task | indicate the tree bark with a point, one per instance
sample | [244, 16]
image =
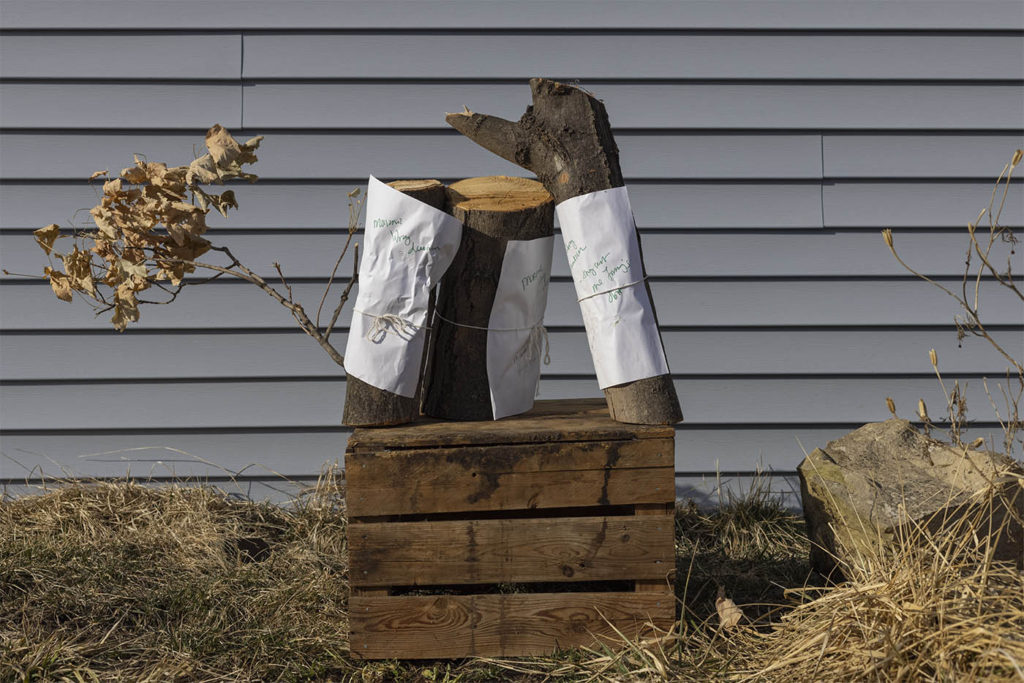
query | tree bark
[493, 210]
[566, 140]
[365, 404]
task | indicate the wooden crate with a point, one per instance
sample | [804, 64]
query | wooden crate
[517, 537]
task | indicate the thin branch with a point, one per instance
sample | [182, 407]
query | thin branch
[294, 308]
[330, 280]
[344, 295]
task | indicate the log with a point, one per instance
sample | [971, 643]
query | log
[365, 404]
[493, 210]
[565, 138]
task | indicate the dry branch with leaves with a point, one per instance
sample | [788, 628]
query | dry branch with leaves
[149, 234]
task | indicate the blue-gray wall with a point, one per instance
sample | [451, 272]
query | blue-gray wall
[765, 142]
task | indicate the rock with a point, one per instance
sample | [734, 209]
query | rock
[861, 488]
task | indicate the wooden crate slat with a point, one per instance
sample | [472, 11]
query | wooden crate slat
[667, 513]
[510, 550]
[418, 627]
[583, 419]
[523, 476]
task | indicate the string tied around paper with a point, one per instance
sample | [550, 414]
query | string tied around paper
[530, 348]
[383, 323]
[612, 289]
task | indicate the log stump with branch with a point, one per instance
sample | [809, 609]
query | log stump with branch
[566, 140]
[365, 404]
[493, 210]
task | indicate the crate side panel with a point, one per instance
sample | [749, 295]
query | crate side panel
[419, 627]
[512, 477]
[510, 550]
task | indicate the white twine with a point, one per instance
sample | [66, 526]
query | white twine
[385, 322]
[531, 347]
[613, 289]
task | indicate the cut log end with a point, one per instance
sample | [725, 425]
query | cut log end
[498, 194]
[650, 401]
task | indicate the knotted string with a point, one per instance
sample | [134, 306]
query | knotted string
[530, 349]
[613, 289]
[385, 322]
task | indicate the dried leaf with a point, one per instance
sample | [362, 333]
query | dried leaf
[97, 174]
[112, 187]
[78, 265]
[45, 237]
[224, 149]
[104, 219]
[126, 309]
[59, 282]
[728, 613]
[202, 170]
[137, 270]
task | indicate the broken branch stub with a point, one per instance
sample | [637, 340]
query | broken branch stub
[565, 139]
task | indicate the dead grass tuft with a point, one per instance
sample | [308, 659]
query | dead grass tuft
[117, 581]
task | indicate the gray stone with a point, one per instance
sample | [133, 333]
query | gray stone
[862, 488]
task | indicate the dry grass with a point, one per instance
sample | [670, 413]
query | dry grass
[116, 581]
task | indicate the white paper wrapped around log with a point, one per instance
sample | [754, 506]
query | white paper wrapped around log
[604, 257]
[516, 339]
[407, 247]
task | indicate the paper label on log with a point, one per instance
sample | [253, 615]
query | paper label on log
[516, 340]
[407, 247]
[604, 258]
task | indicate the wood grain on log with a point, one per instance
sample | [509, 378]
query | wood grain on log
[565, 138]
[365, 404]
[493, 210]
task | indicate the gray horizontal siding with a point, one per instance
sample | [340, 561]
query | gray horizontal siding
[317, 403]
[517, 56]
[765, 145]
[418, 105]
[645, 156]
[115, 55]
[119, 106]
[634, 56]
[763, 205]
[346, 154]
[717, 302]
[706, 255]
[524, 14]
[639, 105]
[229, 354]
[774, 204]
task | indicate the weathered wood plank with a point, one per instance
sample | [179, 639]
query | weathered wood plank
[487, 551]
[509, 477]
[580, 419]
[417, 627]
[666, 512]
